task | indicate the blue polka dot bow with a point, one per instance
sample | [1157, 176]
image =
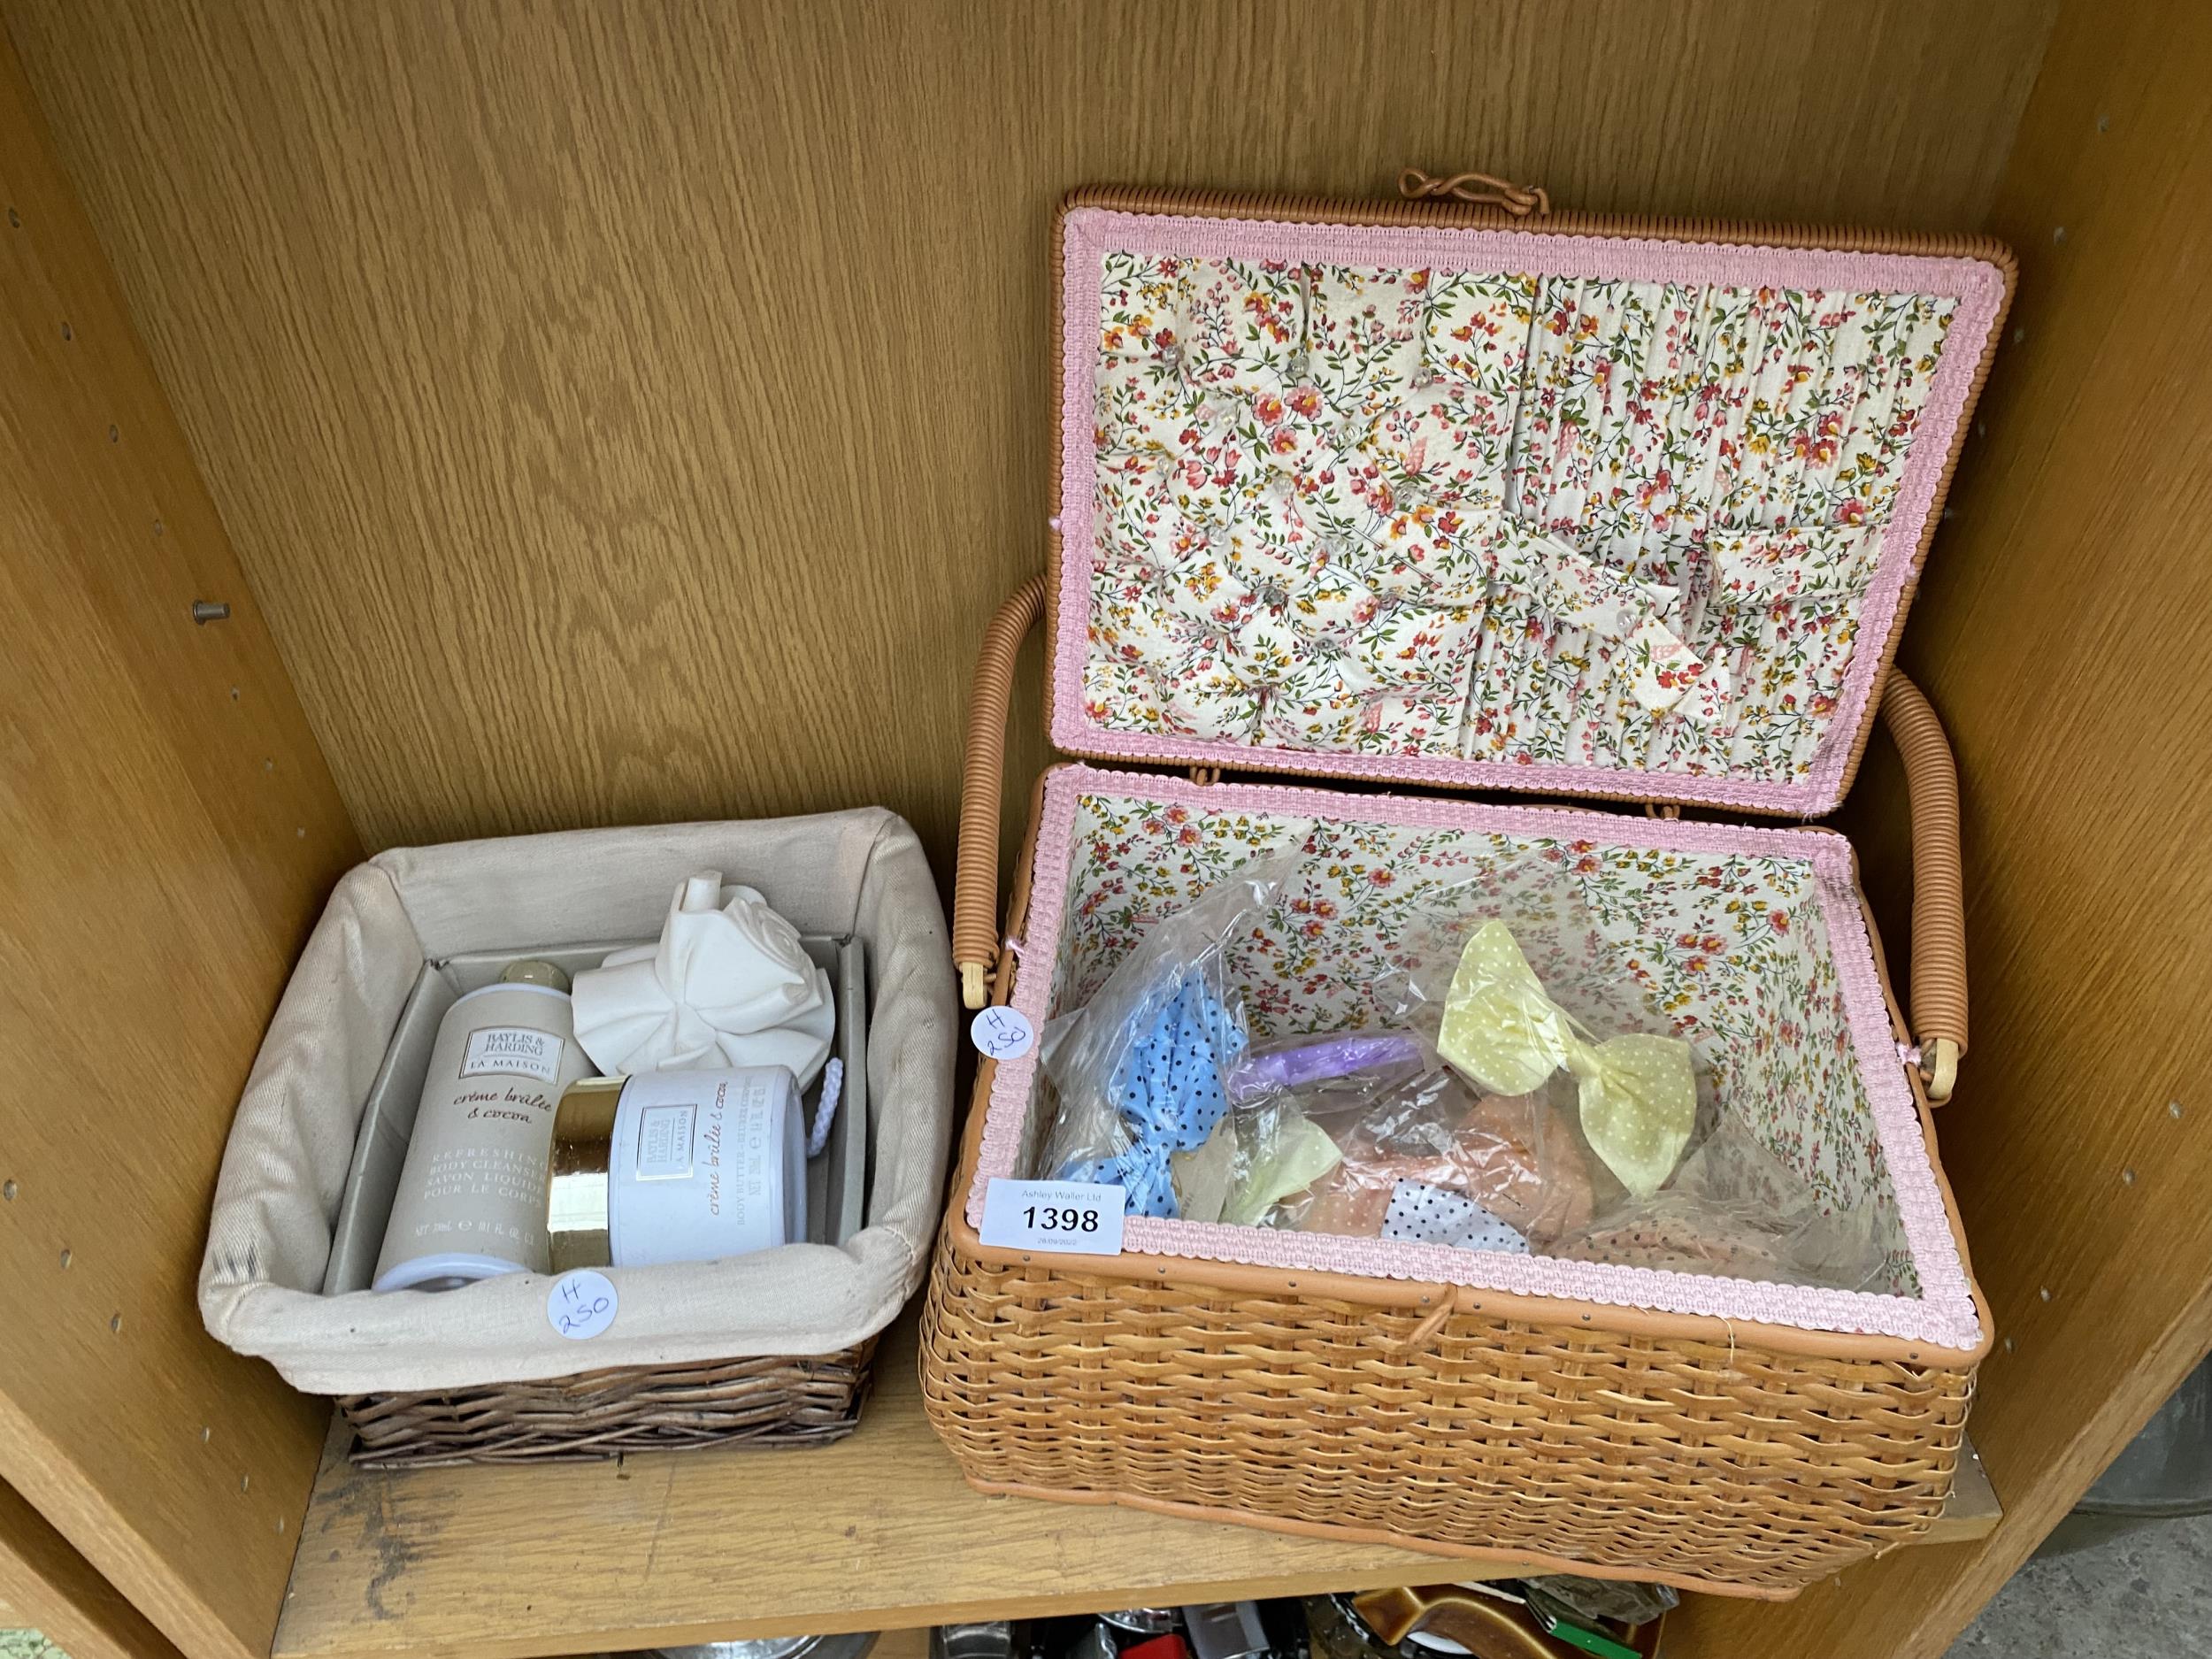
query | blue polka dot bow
[1167, 1090]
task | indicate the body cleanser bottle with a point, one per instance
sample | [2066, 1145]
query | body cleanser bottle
[470, 1202]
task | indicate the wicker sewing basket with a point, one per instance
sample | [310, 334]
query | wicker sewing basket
[1695, 1432]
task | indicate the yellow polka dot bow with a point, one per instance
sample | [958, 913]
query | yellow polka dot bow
[1639, 1094]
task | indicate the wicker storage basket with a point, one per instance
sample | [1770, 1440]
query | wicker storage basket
[1707, 1431]
[769, 1348]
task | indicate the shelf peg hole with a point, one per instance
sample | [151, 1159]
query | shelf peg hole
[15, 219]
[115, 1323]
[8, 1190]
[2127, 1178]
[115, 433]
[67, 332]
[206, 1433]
[67, 1256]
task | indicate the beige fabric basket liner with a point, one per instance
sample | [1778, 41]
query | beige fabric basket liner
[861, 873]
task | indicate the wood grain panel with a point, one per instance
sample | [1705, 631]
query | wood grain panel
[47, 1587]
[877, 1531]
[2063, 631]
[633, 410]
[169, 831]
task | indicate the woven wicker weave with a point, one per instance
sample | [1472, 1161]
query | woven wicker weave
[1687, 1461]
[1601, 1440]
[771, 1401]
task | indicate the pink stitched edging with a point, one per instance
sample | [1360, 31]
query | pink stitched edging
[1943, 1315]
[1978, 285]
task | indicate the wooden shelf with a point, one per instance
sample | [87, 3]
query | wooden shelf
[876, 1533]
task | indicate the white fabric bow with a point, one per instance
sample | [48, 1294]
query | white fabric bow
[728, 984]
[1662, 669]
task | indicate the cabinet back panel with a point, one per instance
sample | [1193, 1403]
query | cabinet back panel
[634, 411]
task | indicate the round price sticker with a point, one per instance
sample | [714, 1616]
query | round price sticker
[1003, 1033]
[580, 1304]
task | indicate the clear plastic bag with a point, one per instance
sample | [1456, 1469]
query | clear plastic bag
[1263, 1153]
[1674, 1179]
[1735, 1210]
[1401, 1129]
[1507, 976]
[1413, 1146]
[1140, 1070]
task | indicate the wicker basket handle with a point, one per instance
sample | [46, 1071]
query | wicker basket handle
[975, 944]
[1939, 893]
[1520, 199]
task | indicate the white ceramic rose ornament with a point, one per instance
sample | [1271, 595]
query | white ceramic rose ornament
[728, 984]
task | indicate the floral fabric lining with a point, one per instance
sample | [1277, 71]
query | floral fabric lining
[1748, 941]
[1731, 950]
[1499, 517]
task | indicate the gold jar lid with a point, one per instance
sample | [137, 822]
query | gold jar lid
[576, 1182]
[540, 973]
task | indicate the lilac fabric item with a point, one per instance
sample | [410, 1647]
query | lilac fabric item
[1273, 1069]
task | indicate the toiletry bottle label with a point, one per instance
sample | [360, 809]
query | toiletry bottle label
[664, 1142]
[512, 1051]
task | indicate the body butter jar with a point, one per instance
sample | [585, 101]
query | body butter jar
[676, 1166]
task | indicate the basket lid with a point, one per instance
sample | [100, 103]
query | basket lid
[1420, 493]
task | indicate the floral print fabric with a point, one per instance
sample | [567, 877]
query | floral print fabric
[1729, 952]
[1500, 516]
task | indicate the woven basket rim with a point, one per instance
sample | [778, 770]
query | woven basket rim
[1207, 1274]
